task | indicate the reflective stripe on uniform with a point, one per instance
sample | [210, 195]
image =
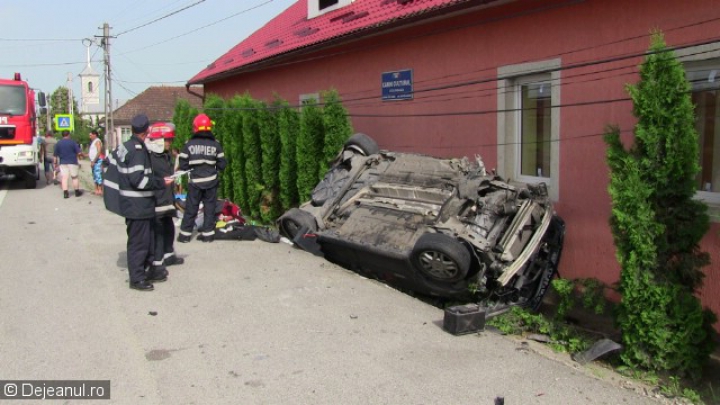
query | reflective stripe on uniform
[128, 170]
[164, 208]
[111, 184]
[203, 179]
[201, 161]
[129, 193]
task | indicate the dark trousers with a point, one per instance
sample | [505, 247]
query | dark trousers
[140, 247]
[196, 195]
[164, 237]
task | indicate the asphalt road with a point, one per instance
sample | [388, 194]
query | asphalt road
[243, 323]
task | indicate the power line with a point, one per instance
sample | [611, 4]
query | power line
[199, 28]
[161, 18]
[41, 39]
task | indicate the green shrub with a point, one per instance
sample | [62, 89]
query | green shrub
[253, 154]
[309, 148]
[237, 162]
[657, 225]
[288, 123]
[337, 129]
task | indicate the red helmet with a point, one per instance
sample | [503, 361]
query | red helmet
[202, 123]
[165, 130]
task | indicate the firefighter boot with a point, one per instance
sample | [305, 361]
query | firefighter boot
[156, 274]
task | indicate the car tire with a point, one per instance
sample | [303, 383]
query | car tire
[362, 143]
[30, 181]
[440, 257]
[291, 222]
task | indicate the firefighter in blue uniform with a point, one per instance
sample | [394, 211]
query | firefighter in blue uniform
[205, 157]
[133, 197]
[158, 141]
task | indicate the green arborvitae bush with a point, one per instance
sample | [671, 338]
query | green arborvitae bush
[183, 122]
[657, 225]
[237, 163]
[309, 148]
[337, 129]
[226, 133]
[270, 144]
[253, 155]
[288, 128]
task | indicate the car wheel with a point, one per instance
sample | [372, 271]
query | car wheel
[291, 222]
[30, 181]
[363, 144]
[441, 257]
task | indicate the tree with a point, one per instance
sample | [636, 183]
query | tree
[253, 154]
[59, 104]
[309, 149]
[657, 224]
[337, 129]
[288, 124]
[270, 145]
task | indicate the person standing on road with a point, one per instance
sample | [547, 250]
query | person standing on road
[48, 155]
[158, 141]
[96, 156]
[135, 196]
[205, 157]
[67, 152]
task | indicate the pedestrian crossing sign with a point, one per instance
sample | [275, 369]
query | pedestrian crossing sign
[64, 122]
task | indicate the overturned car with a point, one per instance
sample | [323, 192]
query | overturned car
[442, 228]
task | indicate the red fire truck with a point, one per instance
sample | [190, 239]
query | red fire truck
[18, 144]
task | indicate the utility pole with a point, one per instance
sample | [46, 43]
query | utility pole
[70, 100]
[109, 125]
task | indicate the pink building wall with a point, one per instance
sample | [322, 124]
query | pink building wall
[471, 48]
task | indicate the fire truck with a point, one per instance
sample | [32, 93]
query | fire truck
[18, 143]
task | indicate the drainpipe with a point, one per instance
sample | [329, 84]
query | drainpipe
[200, 96]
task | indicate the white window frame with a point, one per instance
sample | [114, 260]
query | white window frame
[703, 53]
[509, 116]
[314, 7]
[308, 96]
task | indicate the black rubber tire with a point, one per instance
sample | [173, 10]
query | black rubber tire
[291, 222]
[30, 181]
[362, 143]
[441, 258]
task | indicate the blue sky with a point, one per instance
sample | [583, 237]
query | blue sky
[43, 40]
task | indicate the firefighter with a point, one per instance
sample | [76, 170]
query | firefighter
[205, 157]
[136, 202]
[158, 141]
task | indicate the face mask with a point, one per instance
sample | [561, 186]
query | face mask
[155, 145]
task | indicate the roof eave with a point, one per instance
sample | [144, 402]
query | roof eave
[362, 33]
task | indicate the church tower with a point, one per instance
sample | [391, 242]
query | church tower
[89, 88]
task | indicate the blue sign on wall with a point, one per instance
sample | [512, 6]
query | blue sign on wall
[397, 85]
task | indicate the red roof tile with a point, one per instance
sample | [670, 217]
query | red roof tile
[292, 30]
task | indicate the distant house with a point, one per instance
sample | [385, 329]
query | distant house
[158, 103]
[529, 85]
